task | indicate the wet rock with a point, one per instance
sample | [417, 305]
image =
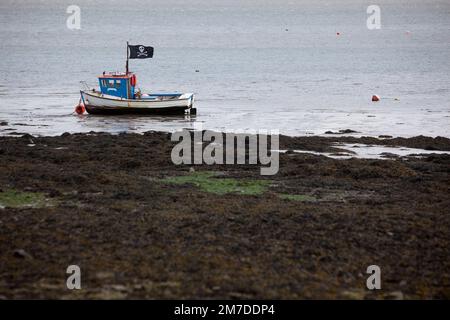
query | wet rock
[353, 294]
[383, 136]
[54, 193]
[3, 123]
[394, 295]
[344, 131]
[109, 295]
[119, 287]
[340, 154]
[20, 253]
[238, 295]
[347, 131]
[389, 155]
[104, 275]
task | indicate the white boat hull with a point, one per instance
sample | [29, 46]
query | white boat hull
[98, 103]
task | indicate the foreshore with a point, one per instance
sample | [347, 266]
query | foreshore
[141, 227]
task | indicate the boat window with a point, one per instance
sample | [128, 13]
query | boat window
[111, 83]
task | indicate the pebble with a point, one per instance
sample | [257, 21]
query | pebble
[20, 253]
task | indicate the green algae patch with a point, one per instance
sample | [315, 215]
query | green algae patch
[298, 197]
[210, 182]
[17, 199]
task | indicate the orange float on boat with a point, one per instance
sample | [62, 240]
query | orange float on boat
[80, 109]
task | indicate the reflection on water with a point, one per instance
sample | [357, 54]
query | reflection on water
[133, 123]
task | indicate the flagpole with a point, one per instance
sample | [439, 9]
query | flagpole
[126, 65]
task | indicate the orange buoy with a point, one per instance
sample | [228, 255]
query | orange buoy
[80, 109]
[375, 98]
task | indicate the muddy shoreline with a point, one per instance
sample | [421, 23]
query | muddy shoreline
[116, 206]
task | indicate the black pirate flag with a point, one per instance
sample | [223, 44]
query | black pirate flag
[140, 52]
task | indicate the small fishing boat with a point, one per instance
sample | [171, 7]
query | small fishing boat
[118, 93]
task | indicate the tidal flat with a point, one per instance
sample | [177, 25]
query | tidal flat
[141, 227]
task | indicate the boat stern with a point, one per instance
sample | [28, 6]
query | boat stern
[189, 97]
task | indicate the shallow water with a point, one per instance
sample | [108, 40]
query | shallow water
[262, 65]
[366, 151]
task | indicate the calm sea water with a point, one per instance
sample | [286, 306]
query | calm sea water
[262, 64]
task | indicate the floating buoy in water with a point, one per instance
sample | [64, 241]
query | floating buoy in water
[80, 109]
[375, 98]
[338, 33]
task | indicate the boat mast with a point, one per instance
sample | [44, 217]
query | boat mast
[126, 70]
[126, 65]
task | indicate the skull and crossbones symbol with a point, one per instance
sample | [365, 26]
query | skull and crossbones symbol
[142, 51]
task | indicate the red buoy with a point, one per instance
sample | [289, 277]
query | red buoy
[80, 109]
[375, 98]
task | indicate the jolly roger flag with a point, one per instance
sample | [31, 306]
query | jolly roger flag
[140, 52]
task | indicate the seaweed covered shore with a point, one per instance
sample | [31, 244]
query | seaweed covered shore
[141, 227]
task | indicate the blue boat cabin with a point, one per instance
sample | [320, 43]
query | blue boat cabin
[118, 84]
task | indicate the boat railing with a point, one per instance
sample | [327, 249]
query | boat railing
[85, 85]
